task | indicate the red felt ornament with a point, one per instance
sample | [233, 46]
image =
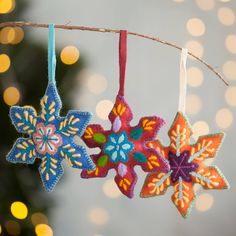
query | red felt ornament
[124, 146]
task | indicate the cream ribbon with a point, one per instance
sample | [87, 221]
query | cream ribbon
[183, 80]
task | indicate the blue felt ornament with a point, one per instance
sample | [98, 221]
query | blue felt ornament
[50, 136]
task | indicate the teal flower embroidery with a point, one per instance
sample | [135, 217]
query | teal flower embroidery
[118, 147]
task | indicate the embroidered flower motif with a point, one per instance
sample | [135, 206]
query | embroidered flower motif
[118, 147]
[181, 167]
[50, 137]
[187, 166]
[123, 147]
[46, 140]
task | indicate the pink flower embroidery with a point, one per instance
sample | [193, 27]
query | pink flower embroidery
[46, 140]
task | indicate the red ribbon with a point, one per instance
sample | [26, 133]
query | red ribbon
[122, 59]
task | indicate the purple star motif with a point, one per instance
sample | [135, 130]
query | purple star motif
[180, 166]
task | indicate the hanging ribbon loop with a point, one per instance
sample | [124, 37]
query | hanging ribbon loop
[51, 53]
[122, 59]
[183, 80]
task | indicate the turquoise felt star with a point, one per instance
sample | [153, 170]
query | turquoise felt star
[50, 136]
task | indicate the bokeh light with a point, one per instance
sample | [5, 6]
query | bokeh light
[19, 210]
[204, 202]
[6, 6]
[196, 187]
[19, 35]
[195, 76]
[69, 55]
[196, 27]
[103, 109]
[39, 218]
[0, 229]
[226, 16]
[178, 1]
[7, 35]
[5, 63]
[230, 96]
[224, 118]
[200, 128]
[11, 35]
[230, 43]
[229, 70]
[225, 0]
[13, 227]
[97, 83]
[110, 189]
[193, 104]
[206, 5]
[43, 230]
[98, 216]
[195, 47]
[11, 96]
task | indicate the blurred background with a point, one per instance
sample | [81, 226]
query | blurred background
[87, 78]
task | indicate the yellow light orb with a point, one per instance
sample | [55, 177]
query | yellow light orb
[0, 229]
[230, 43]
[43, 230]
[19, 35]
[195, 76]
[11, 96]
[98, 216]
[193, 104]
[103, 109]
[196, 27]
[224, 118]
[230, 96]
[200, 128]
[69, 55]
[5, 63]
[39, 218]
[19, 210]
[204, 202]
[205, 5]
[195, 47]
[226, 16]
[229, 70]
[110, 189]
[7, 6]
[13, 228]
[7, 35]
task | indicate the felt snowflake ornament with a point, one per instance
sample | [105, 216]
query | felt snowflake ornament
[186, 160]
[50, 136]
[123, 147]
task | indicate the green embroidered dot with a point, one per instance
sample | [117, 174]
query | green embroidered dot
[140, 157]
[102, 161]
[99, 138]
[137, 133]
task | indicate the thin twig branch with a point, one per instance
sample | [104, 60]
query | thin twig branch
[106, 30]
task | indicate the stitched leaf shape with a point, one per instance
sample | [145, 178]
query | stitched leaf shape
[140, 157]
[99, 138]
[137, 133]
[102, 161]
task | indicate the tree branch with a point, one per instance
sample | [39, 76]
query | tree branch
[106, 30]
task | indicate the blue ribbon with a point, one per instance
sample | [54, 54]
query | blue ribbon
[51, 54]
